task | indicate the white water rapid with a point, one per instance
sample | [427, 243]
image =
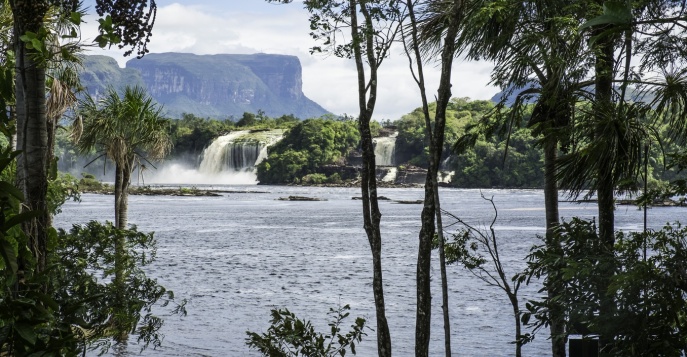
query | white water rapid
[390, 175]
[385, 148]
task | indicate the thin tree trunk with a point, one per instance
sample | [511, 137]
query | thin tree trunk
[604, 107]
[423, 312]
[424, 255]
[119, 179]
[371, 214]
[122, 179]
[51, 131]
[518, 326]
[432, 206]
[31, 130]
[121, 333]
[124, 199]
[442, 267]
[553, 283]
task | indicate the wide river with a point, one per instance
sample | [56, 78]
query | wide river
[237, 256]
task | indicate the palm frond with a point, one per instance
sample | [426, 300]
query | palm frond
[670, 103]
[612, 146]
[124, 126]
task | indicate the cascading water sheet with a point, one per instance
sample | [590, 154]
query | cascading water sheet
[215, 155]
[229, 159]
[385, 149]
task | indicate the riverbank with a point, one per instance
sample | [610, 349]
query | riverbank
[157, 191]
[154, 190]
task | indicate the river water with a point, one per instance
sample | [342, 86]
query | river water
[237, 256]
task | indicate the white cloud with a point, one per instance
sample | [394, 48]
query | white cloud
[283, 29]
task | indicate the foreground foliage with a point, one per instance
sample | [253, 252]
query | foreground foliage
[86, 264]
[647, 287]
[290, 336]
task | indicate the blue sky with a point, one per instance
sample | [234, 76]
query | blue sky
[252, 26]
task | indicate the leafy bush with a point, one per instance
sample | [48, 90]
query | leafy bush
[316, 179]
[334, 178]
[88, 182]
[647, 286]
[116, 296]
[291, 336]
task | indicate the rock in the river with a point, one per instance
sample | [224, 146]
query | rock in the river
[301, 198]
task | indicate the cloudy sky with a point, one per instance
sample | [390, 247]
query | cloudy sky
[255, 26]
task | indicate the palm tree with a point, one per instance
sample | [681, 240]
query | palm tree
[127, 130]
[614, 132]
[62, 78]
[536, 49]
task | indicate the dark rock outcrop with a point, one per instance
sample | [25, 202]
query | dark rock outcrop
[209, 85]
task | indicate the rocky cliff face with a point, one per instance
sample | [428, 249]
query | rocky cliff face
[210, 85]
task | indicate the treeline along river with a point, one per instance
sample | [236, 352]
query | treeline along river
[237, 256]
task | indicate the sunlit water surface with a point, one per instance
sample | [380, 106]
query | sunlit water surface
[237, 256]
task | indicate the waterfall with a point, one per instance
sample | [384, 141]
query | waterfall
[385, 149]
[237, 153]
[445, 176]
[390, 175]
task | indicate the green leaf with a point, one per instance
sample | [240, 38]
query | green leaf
[75, 18]
[26, 332]
[8, 188]
[46, 299]
[619, 10]
[37, 44]
[8, 255]
[101, 40]
[19, 218]
[615, 13]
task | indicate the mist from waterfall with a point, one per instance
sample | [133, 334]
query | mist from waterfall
[385, 150]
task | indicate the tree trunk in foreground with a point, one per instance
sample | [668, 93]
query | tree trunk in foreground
[432, 206]
[603, 103]
[32, 138]
[553, 283]
[371, 213]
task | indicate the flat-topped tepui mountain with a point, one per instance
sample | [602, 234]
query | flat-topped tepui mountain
[217, 86]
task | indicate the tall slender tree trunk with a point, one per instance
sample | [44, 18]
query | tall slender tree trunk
[121, 333]
[553, 282]
[122, 182]
[122, 179]
[432, 206]
[32, 138]
[518, 326]
[371, 214]
[603, 108]
[123, 213]
[119, 179]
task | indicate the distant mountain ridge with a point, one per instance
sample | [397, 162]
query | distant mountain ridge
[632, 94]
[215, 86]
